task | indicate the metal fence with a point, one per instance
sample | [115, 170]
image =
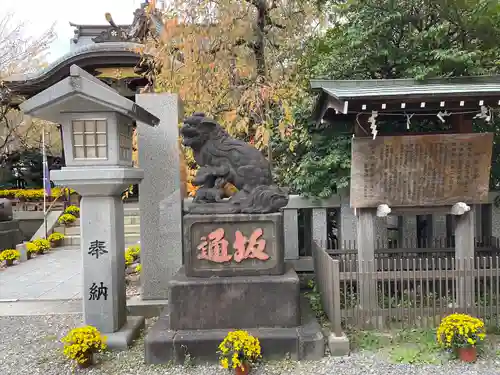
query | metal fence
[411, 292]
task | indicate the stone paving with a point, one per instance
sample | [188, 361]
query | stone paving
[49, 283]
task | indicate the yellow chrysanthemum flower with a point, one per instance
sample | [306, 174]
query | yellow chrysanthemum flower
[239, 348]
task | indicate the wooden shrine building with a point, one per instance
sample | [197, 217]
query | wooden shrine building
[418, 147]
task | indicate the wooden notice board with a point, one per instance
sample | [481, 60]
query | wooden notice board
[420, 170]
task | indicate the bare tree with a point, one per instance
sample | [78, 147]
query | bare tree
[19, 54]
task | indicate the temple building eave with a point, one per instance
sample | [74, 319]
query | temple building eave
[88, 57]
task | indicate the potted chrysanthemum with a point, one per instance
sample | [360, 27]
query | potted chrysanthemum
[9, 256]
[42, 245]
[461, 333]
[66, 219]
[239, 351]
[56, 239]
[80, 345]
[73, 210]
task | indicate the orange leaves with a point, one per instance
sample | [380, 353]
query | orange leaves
[191, 189]
[230, 116]
[216, 67]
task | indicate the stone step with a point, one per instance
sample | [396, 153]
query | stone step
[130, 239]
[132, 220]
[75, 231]
[129, 211]
[131, 217]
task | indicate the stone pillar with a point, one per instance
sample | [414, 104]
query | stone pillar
[319, 227]
[366, 258]
[291, 231]
[464, 255]
[102, 245]
[348, 225]
[160, 197]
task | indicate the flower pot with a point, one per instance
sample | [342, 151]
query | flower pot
[242, 371]
[88, 360]
[9, 262]
[467, 354]
[55, 243]
[40, 252]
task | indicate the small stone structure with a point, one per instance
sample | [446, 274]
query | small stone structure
[10, 234]
[97, 133]
[234, 274]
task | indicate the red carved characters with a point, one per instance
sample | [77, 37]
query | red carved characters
[255, 248]
[214, 247]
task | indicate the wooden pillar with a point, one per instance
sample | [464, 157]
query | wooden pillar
[462, 123]
[464, 255]
[366, 258]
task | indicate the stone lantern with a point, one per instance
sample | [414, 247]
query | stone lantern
[97, 125]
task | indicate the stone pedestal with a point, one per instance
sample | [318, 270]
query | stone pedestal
[103, 246]
[240, 282]
[242, 301]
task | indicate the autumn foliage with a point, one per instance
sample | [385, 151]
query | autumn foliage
[235, 61]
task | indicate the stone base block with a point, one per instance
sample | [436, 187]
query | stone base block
[163, 345]
[23, 251]
[10, 234]
[136, 306]
[239, 301]
[123, 338]
[338, 345]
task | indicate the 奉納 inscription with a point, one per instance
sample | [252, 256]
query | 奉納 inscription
[420, 170]
[96, 292]
[97, 248]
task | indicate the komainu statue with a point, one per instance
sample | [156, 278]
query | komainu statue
[223, 159]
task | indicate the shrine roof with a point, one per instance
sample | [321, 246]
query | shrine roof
[354, 96]
[88, 57]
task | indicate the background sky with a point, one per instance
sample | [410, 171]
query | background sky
[39, 15]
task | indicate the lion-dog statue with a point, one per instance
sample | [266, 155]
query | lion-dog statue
[223, 159]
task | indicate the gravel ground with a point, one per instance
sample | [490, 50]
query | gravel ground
[133, 285]
[31, 346]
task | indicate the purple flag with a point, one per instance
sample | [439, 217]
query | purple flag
[46, 177]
